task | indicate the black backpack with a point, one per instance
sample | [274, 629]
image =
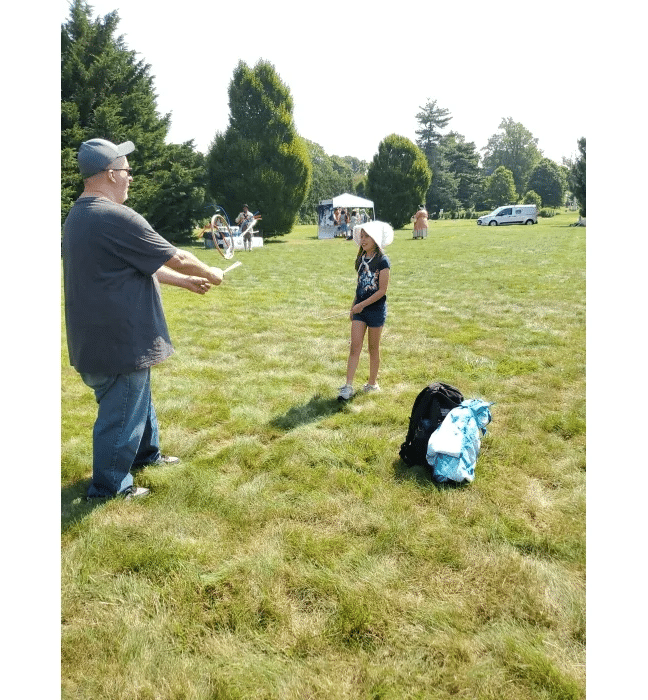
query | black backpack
[430, 408]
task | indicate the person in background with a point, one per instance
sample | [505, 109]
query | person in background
[113, 264]
[344, 223]
[420, 220]
[355, 220]
[245, 220]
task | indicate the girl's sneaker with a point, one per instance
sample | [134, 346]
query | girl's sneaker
[370, 387]
[346, 392]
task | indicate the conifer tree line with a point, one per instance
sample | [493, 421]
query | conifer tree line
[261, 159]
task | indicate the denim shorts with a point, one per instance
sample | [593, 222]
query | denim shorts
[374, 315]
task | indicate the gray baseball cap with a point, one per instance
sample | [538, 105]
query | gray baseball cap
[96, 155]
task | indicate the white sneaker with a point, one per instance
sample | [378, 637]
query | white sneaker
[134, 492]
[370, 387]
[346, 392]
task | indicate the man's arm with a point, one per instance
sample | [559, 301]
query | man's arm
[188, 264]
[199, 285]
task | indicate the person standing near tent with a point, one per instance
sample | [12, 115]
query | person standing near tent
[355, 220]
[344, 223]
[369, 307]
[420, 220]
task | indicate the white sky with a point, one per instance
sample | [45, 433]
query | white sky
[358, 72]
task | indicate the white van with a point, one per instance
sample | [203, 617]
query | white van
[510, 214]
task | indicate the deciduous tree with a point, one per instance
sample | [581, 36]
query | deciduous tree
[532, 197]
[515, 148]
[549, 182]
[499, 188]
[577, 176]
[327, 181]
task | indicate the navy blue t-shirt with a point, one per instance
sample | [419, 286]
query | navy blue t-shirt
[368, 272]
[113, 311]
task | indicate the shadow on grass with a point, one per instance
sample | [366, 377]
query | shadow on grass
[422, 476]
[318, 407]
[74, 506]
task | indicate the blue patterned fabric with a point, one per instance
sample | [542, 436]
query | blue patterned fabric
[454, 446]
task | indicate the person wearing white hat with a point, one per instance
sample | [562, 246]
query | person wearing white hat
[369, 307]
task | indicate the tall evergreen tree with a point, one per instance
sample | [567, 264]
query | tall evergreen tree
[397, 180]
[106, 92]
[361, 188]
[260, 159]
[444, 187]
[515, 148]
[442, 192]
[462, 161]
[432, 120]
[577, 176]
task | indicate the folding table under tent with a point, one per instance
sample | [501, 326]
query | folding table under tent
[326, 223]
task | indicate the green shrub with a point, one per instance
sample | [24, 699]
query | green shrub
[532, 197]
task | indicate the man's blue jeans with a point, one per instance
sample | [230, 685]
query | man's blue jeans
[125, 433]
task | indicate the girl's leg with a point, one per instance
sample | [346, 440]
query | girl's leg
[374, 353]
[358, 329]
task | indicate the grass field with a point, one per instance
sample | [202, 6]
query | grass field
[292, 555]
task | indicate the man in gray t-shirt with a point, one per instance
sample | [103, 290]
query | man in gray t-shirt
[113, 263]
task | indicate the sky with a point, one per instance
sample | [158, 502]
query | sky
[358, 71]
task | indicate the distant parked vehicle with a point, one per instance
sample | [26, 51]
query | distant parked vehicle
[510, 214]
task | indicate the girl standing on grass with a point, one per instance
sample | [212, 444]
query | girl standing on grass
[369, 308]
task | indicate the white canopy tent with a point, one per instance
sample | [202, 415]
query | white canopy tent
[351, 200]
[326, 226]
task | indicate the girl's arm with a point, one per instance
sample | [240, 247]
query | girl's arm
[353, 303]
[383, 283]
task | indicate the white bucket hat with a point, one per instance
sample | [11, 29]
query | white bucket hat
[381, 232]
